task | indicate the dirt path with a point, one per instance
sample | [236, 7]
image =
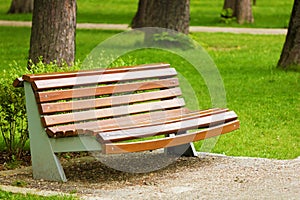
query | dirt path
[192, 28]
[204, 177]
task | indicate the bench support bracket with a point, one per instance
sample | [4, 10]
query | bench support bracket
[187, 150]
[45, 164]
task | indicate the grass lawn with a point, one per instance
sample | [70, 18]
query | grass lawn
[266, 100]
[12, 196]
[268, 14]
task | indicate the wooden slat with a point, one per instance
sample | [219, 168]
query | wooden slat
[101, 79]
[33, 77]
[135, 121]
[161, 129]
[110, 112]
[140, 120]
[115, 122]
[134, 133]
[159, 121]
[102, 90]
[47, 108]
[115, 148]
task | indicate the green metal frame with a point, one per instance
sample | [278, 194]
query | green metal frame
[45, 164]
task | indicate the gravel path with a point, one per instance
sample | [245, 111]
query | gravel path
[192, 28]
[205, 177]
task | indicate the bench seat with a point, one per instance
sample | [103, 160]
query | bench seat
[128, 109]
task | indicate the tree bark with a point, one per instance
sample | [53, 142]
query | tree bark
[290, 55]
[170, 14]
[244, 12]
[53, 31]
[21, 6]
[241, 9]
[230, 4]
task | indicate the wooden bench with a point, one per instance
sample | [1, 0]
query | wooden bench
[108, 109]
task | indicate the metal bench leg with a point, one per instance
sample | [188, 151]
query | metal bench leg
[45, 164]
[187, 150]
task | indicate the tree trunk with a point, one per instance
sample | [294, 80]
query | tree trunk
[170, 14]
[244, 12]
[21, 6]
[241, 9]
[254, 2]
[230, 4]
[290, 55]
[53, 31]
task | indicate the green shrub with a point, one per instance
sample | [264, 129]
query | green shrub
[13, 119]
[41, 67]
[13, 122]
[227, 16]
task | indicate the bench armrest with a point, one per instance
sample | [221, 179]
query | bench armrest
[18, 82]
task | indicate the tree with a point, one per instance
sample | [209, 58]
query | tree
[244, 12]
[170, 14]
[53, 31]
[241, 9]
[21, 6]
[230, 5]
[290, 55]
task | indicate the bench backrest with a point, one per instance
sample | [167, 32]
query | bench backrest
[66, 100]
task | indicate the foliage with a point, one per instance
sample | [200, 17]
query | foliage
[227, 16]
[41, 67]
[13, 123]
[13, 120]
[227, 13]
[103, 59]
[127, 61]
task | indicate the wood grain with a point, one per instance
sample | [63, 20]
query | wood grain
[163, 129]
[115, 122]
[110, 112]
[102, 79]
[47, 108]
[104, 90]
[54, 75]
[115, 148]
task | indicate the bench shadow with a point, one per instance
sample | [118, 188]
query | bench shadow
[133, 168]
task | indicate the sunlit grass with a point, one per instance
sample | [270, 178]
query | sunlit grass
[18, 196]
[266, 99]
[268, 14]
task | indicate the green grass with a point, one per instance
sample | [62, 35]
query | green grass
[266, 99]
[14, 44]
[17, 196]
[268, 14]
